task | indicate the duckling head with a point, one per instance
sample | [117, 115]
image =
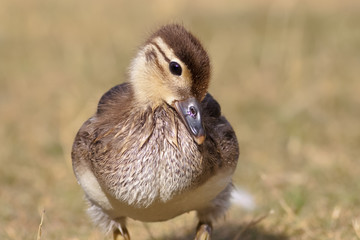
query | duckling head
[172, 67]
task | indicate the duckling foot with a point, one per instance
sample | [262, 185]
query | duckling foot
[121, 236]
[203, 231]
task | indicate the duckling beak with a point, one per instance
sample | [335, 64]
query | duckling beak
[190, 112]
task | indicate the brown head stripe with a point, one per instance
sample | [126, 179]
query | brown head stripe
[161, 51]
[190, 51]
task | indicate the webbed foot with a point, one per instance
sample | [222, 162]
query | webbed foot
[124, 235]
[203, 231]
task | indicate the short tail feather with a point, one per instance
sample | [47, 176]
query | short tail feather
[243, 199]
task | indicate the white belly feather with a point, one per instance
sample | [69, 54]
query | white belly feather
[194, 199]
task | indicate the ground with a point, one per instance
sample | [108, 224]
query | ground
[285, 72]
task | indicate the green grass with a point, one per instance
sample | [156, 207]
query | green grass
[285, 72]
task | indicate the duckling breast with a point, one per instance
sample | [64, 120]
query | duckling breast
[149, 159]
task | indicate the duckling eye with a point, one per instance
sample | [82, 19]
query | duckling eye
[175, 68]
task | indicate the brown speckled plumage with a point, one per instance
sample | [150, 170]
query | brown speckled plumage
[136, 160]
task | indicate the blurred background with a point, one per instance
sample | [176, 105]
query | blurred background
[286, 73]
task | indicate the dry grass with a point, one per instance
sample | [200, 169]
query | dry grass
[287, 76]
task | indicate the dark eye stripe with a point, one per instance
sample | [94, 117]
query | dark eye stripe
[161, 51]
[150, 55]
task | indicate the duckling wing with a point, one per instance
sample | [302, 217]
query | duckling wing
[88, 143]
[115, 99]
[113, 102]
[221, 138]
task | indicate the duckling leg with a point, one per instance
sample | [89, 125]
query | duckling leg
[121, 235]
[203, 231]
[212, 211]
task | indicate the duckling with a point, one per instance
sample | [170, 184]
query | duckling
[158, 146]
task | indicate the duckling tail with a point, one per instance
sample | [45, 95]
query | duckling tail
[243, 199]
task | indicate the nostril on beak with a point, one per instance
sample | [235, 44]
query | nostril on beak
[192, 112]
